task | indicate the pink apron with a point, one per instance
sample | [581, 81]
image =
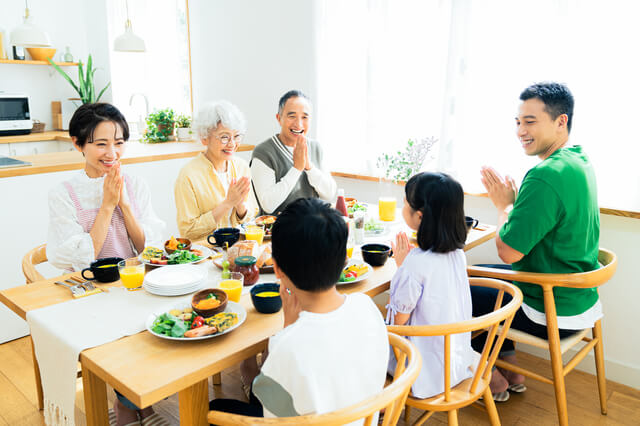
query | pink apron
[117, 243]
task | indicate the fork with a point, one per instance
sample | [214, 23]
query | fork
[88, 285]
[76, 290]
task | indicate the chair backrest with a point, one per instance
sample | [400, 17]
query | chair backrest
[595, 278]
[392, 397]
[489, 322]
[30, 260]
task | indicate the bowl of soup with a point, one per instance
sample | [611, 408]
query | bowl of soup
[209, 302]
[375, 254]
[266, 298]
[224, 236]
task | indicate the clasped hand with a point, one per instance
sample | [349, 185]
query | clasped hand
[238, 191]
[112, 188]
[502, 192]
[301, 155]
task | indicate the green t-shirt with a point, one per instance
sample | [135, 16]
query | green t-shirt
[555, 222]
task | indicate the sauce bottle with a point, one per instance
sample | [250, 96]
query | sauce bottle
[341, 205]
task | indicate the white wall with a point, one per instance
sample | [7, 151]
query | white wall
[619, 296]
[75, 23]
[250, 53]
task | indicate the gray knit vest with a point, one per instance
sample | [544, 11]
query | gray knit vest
[275, 155]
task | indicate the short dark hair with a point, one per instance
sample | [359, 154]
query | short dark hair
[88, 116]
[309, 242]
[291, 94]
[441, 200]
[557, 99]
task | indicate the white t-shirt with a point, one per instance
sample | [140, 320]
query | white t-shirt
[434, 288]
[324, 362]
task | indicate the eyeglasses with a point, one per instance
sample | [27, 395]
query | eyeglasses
[225, 139]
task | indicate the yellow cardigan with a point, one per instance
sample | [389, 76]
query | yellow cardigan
[198, 191]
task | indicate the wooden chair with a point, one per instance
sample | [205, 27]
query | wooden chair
[392, 398]
[470, 390]
[554, 344]
[30, 260]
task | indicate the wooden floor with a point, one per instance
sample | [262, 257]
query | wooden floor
[534, 407]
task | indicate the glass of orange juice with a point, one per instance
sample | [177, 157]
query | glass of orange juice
[233, 286]
[387, 208]
[254, 232]
[349, 251]
[131, 273]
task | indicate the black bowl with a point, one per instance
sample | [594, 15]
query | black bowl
[224, 235]
[375, 254]
[266, 305]
[470, 222]
[103, 270]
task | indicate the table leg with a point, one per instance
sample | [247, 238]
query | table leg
[194, 404]
[217, 379]
[36, 369]
[95, 399]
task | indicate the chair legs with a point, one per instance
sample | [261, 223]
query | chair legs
[453, 417]
[599, 355]
[494, 418]
[558, 380]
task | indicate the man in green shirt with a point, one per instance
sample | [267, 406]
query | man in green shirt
[552, 225]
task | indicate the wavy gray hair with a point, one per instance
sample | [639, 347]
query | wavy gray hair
[213, 113]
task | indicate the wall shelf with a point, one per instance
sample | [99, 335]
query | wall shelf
[31, 62]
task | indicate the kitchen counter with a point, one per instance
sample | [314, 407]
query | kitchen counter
[136, 152]
[52, 135]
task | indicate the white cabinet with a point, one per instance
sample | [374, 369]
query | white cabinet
[4, 149]
[38, 147]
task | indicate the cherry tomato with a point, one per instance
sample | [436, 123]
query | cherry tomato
[197, 322]
[351, 274]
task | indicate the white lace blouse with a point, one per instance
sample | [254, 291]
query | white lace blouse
[68, 245]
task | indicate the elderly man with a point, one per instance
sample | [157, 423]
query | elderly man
[551, 226]
[288, 165]
[213, 189]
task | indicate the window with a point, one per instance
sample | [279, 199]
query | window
[162, 72]
[455, 69]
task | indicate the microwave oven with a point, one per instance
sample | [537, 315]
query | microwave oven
[15, 116]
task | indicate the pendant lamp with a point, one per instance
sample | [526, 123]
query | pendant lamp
[128, 42]
[27, 34]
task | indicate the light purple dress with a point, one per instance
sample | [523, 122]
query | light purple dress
[434, 288]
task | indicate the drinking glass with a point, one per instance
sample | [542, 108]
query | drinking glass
[254, 232]
[387, 209]
[131, 273]
[232, 286]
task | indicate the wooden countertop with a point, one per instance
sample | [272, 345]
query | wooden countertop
[136, 153]
[52, 135]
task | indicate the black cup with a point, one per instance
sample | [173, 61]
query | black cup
[375, 254]
[224, 235]
[470, 222]
[266, 305]
[103, 270]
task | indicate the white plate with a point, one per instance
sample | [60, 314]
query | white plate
[206, 252]
[361, 277]
[174, 292]
[231, 307]
[179, 276]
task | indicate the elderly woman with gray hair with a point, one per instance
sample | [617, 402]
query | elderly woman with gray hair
[213, 189]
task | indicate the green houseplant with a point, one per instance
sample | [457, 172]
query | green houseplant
[399, 167]
[160, 125]
[183, 122]
[85, 87]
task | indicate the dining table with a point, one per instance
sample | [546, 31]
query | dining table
[146, 369]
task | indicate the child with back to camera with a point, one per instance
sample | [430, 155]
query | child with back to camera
[431, 285]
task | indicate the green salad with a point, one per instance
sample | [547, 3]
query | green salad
[373, 226]
[182, 256]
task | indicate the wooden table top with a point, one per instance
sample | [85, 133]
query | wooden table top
[132, 364]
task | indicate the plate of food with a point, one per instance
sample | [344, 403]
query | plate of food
[353, 206]
[262, 253]
[374, 228]
[155, 257]
[182, 323]
[355, 271]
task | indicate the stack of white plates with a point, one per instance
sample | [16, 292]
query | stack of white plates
[175, 281]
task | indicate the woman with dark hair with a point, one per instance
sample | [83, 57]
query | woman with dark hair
[100, 211]
[431, 285]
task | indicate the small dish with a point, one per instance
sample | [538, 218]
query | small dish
[185, 241]
[204, 294]
[266, 298]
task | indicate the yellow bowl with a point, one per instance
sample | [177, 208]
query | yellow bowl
[41, 53]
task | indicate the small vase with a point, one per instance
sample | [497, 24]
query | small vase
[184, 134]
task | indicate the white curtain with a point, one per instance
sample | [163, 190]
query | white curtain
[455, 69]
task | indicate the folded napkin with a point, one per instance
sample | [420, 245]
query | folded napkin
[60, 332]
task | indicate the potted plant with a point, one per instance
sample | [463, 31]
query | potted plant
[86, 88]
[399, 167]
[160, 126]
[184, 127]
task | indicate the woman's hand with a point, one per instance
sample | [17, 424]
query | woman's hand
[112, 188]
[290, 305]
[401, 248]
[238, 191]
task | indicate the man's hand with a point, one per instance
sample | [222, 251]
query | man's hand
[290, 305]
[300, 154]
[238, 190]
[502, 192]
